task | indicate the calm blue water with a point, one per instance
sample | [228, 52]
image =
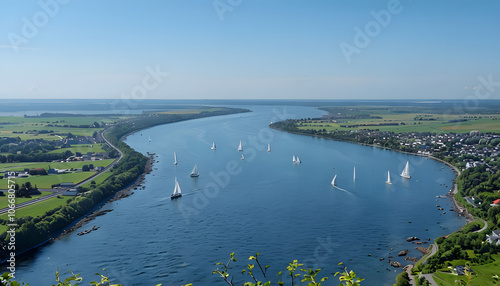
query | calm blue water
[263, 204]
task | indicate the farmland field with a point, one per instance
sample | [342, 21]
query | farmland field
[10, 124]
[387, 119]
[46, 182]
[36, 209]
[4, 203]
[20, 166]
[82, 148]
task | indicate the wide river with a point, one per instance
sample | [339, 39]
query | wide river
[264, 203]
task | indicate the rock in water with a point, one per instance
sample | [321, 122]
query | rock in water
[403, 252]
[396, 264]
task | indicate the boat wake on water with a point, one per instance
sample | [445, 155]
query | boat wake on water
[350, 193]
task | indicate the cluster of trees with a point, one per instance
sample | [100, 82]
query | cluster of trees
[35, 157]
[455, 247]
[26, 190]
[11, 146]
[93, 125]
[477, 182]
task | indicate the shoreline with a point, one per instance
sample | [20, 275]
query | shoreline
[121, 194]
[457, 208]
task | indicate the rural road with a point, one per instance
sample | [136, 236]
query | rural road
[58, 192]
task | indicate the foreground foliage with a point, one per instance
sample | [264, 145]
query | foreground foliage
[294, 273]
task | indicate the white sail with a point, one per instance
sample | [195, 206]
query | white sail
[177, 190]
[293, 159]
[333, 181]
[195, 173]
[240, 148]
[298, 160]
[268, 147]
[242, 157]
[406, 171]
[354, 175]
[213, 146]
[149, 139]
[388, 178]
[175, 158]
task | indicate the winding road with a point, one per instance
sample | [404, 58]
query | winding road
[57, 192]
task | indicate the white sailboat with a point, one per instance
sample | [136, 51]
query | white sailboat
[177, 190]
[293, 159]
[268, 147]
[242, 157]
[388, 178]
[195, 173]
[406, 171]
[240, 148]
[354, 175]
[333, 181]
[175, 158]
[213, 146]
[149, 139]
[298, 160]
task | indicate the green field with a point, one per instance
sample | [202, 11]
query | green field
[14, 123]
[36, 209]
[99, 179]
[46, 182]
[82, 148]
[4, 203]
[483, 275]
[56, 165]
[29, 136]
[407, 122]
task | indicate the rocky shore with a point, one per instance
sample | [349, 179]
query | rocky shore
[126, 192]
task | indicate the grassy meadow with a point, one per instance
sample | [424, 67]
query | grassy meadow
[82, 148]
[4, 200]
[483, 274]
[20, 166]
[36, 209]
[46, 182]
[9, 124]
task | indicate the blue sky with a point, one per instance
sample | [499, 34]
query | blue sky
[248, 49]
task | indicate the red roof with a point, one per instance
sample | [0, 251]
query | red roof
[496, 202]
